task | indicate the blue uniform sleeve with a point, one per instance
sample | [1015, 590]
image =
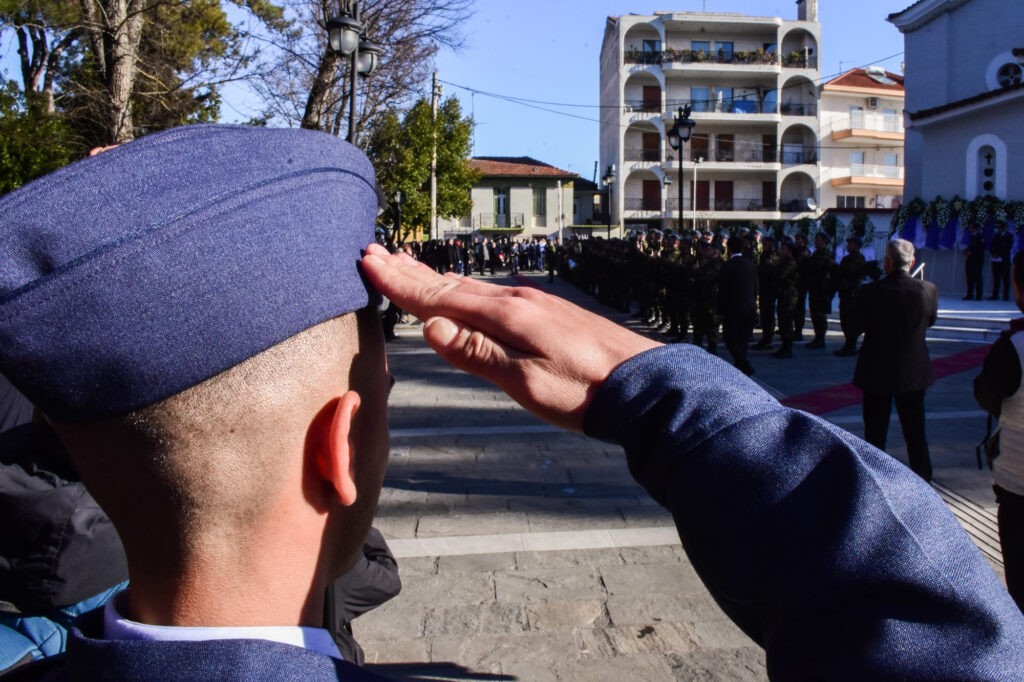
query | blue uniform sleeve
[837, 559]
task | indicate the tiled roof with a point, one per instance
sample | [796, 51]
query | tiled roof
[859, 78]
[516, 166]
[896, 14]
[927, 113]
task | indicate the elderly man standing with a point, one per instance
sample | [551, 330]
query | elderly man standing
[894, 313]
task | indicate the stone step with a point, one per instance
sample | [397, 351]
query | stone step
[947, 328]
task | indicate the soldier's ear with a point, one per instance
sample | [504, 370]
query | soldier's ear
[334, 457]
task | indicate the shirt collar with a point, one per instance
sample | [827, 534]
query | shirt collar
[117, 627]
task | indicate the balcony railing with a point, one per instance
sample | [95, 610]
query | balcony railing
[734, 106]
[754, 57]
[861, 170]
[638, 154]
[800, 61]
[641, 204]
[484, 221]
[734, 205]
[793, 205]
[642, 57]
[796, 157]
[883, 123]
[808, 109]
[645, 106]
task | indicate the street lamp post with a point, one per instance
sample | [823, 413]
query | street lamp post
[398, 217]
[667, 182]
[346, 36]
[608, 180]
[678, 136]
[696, 164]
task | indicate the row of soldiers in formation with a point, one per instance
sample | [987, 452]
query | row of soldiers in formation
[674, 280]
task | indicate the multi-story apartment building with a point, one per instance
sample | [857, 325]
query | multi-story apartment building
[752, 86]
[862, 140]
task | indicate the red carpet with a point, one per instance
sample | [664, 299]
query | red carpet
[836, 397]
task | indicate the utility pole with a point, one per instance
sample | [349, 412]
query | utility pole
[561, 213]
[435, 94]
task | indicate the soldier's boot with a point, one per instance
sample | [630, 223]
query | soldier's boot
[764, 343]
[820, 325]
[849, 348]
[786, 351]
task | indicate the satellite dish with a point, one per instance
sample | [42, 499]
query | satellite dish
[811, 204]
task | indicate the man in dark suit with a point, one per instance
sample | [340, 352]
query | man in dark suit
[974, 262]
[737, 304]
[894, 313]
[1001, 249]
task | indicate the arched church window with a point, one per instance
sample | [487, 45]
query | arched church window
[986, 171]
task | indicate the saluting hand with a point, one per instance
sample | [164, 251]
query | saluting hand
[546, 353]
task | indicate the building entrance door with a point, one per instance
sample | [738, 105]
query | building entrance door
[723, 195]
[703, 195]
[652, 98]
[652, 196]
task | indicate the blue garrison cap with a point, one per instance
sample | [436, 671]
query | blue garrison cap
[130, 276]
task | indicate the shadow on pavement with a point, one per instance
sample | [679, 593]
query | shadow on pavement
[433, 671]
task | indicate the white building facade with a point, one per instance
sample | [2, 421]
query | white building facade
[752, 85]
[862, 141]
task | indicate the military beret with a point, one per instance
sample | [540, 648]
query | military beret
[133, 275]
[707, 233]
[855, 239]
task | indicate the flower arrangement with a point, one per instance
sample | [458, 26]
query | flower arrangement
[832, 225]
[943, 212]
[859, 225]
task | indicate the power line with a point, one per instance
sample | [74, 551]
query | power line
[537, 104]
[524, 100]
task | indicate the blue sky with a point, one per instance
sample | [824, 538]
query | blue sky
[549, 51]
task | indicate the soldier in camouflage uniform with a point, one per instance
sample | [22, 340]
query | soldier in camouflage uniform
[551, 258]
[851, 271]
[766, 278]
[651, 280]
[681, 284]
[801, 256]
[820, 288]
[787, 291]
[705, 303]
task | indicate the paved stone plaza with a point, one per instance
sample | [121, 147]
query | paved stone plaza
[530, 553]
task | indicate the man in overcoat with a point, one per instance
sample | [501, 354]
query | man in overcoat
[893, 364]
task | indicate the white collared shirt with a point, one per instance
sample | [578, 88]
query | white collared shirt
[117, 627]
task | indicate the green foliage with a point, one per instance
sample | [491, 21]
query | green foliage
[32, 143]
[185, 50]
[401, 153]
